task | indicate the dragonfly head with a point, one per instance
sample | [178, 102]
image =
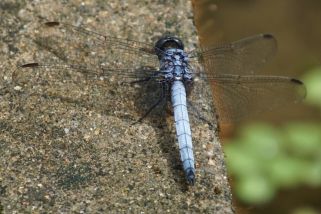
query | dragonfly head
[167, 42]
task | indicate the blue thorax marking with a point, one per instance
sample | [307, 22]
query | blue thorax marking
[174, 65]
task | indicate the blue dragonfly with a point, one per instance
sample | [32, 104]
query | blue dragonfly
[231, 70]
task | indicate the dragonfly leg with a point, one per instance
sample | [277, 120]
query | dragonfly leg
[145, 79]
[141, 80]
[161, 98]
[197, 114]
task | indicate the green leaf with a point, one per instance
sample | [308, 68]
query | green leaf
[288, 171]
[312, 80]
[303, 138]
[240, 161]
[255, 189]
[313, 174]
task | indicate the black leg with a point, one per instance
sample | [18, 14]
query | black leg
[155, 74]
[141, 80]
[197, 113]
[153, 106]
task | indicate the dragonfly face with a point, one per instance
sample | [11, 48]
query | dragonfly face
[167, 42]
[173, 60]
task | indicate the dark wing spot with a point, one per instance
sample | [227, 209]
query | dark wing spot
[297, 81]
[52, 24]
[30, 65]
[268, 36]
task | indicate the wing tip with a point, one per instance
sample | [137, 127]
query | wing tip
[268, 36]
[297, 81]
[302, 90]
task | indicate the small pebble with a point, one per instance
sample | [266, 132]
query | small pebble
[17, 88]
[66, 130]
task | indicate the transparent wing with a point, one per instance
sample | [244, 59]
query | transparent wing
[87, 72]
[238, 87]
[79, 46]
[84, 67]
[242, 96]
[106, 91]
[243, 57]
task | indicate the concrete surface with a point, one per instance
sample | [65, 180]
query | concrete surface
[72, 148]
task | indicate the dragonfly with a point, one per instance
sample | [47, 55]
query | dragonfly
[232, 71]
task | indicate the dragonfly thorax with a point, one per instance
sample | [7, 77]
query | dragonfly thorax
[174, 65]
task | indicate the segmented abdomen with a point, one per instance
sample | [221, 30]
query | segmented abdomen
[183, 129]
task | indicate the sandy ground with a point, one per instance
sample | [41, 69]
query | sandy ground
[72, 147]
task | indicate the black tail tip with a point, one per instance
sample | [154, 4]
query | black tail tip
[190, 176]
